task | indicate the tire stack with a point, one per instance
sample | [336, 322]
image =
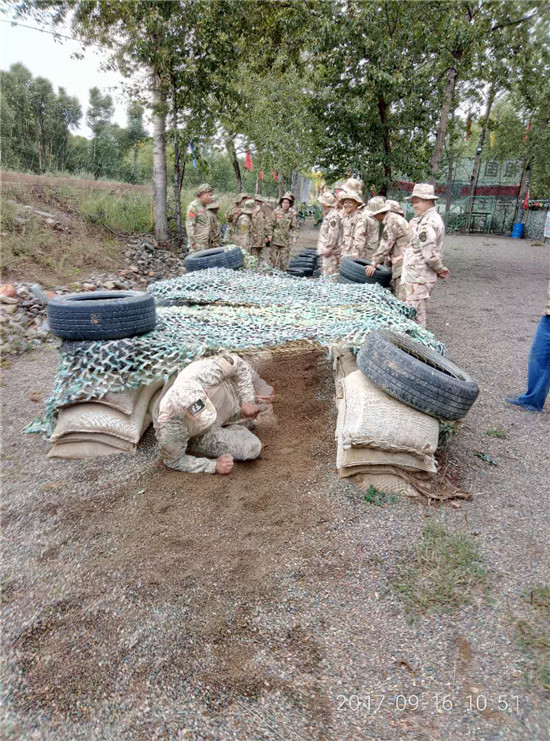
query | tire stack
[352, 270]
[307, 264]
[217, 257]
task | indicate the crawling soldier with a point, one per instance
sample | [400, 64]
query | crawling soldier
[203, 412]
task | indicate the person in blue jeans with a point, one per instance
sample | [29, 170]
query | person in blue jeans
[538, 375]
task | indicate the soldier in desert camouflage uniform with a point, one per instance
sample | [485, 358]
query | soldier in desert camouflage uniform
[328, 243]
[243, 227]
[200, 415]
[395, 207]
[396, 236]
[215, 233]
[258, 229]
[352, 225]
[372, 227]
[281, 233]
[197, 223]
[422, 264]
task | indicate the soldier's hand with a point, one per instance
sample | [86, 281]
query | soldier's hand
[224, 464]
[444, 273]
[268, 399]
[370, 270]
[250, 410]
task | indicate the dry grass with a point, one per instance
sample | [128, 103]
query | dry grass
[533, 634]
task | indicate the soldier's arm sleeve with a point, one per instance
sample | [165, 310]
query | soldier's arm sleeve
[360, 237]
[270, 227]
[384, 248]
[427, 241]
[190, 225]
[242, 378]
[294, 229]
[173, 440]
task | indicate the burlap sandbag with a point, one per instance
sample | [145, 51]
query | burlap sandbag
[373, 419]
[85, 449]
[99, 419]
[123, 401]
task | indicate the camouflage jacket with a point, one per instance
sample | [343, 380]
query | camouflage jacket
[328, 242]
[186, 410]
[396, 236]
[197, 224]
[242, 233]
[215, 233]
[353, 234]
[258, 230]
[372, 234]
[283, 227]
[422, 258]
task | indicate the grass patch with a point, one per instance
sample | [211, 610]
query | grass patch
[499, 432]
[533, 634]
[447, 571]
[447, 433]
[373, 496]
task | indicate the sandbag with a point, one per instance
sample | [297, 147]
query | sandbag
[85, 449]
[373, 419]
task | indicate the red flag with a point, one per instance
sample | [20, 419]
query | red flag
[248, 161]
[526, 200]
[275, 176]
[261, 175]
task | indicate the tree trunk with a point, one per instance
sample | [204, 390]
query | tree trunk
[383, 112]
[177, 165]
[449, 187]
[159, 163]
[479, 150]
[232, 152]
[443, 121]
[523, 186]
[135, 160]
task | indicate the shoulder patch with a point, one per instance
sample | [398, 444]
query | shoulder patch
[196, 407]
[333, 224]
[422, 236]
[385, 234]
[229, 359]
[191, 214]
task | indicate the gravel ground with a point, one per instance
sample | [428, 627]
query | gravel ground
[141, 603]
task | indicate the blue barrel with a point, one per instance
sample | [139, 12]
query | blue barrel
[517, 230]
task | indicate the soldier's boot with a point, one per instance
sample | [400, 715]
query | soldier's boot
[234, 440]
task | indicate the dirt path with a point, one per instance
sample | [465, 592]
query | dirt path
[141, 603]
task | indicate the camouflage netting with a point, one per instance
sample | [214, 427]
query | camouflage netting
[220, 309]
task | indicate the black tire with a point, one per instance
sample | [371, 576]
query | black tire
[234, 258]
[302, 265]
[101, 315]
[205, 259]
[296, 273]
[342, 279]
[316, 273]
[417, 375]
[354, 270]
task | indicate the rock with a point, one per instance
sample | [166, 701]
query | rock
[151, 273]
[109, 285]
[51, 294]
[8, 300]
[37, 291]
[134, 268]
[9, 308]
[88, 287]
[8, 289]
[36, 396]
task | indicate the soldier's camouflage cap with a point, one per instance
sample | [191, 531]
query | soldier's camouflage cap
[395, 207]
[204, 188]
[423, 190]
[350, 195]
[327, 199]
[378, 205]
[288, 196]
[259, 198]
[353, 184]
[249, 206]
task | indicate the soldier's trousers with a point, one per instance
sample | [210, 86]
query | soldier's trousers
[235, 440]
[198, 247]
[278, 256]
[257, 253]
[329, 265]
[397, 288]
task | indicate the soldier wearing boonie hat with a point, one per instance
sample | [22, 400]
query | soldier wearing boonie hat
[215, 233]
[281, 232]
[422, 264]
[394, 240]
[197, 222]
[328, 243]
[242, 228]
[395, 207]
[353, 225]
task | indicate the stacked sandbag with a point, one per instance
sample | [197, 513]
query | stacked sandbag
[380, 441]
[110, 425]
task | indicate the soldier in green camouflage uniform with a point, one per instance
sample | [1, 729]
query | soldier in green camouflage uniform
[215, 234]
[258, 230]
[281, 233]
[243, 227]
[197, 223]
[231, 217]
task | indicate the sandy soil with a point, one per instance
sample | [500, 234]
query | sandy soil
[140, 603]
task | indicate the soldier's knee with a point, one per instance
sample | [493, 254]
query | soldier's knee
[255, 448]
